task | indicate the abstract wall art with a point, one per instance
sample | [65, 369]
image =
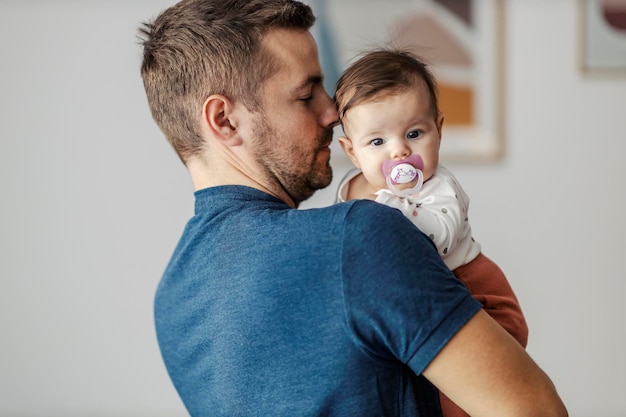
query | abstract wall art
[462, 40]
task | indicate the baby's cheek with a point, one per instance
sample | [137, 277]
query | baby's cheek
[375, 177]
[428, 173]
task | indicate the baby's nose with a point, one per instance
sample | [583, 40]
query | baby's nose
[400, 151]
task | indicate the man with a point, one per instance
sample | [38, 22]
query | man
[266, 310]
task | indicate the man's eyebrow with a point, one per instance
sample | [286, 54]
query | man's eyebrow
[310, 80]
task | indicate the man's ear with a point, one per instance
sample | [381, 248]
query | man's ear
[217, 118]
[348, 148]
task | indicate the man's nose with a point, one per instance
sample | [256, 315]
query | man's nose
[329, 116]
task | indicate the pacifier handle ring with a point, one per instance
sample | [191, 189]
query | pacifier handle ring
[409, 191]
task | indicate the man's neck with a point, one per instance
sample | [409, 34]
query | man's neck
[205, 174]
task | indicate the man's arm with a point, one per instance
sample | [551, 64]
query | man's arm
[487, 373]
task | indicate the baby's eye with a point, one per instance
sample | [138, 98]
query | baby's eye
[414, 134]
[377, 142]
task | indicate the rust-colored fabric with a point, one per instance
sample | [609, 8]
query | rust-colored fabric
[450, 409]
[489, 286]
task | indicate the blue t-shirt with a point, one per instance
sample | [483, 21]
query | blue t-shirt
[265, 310]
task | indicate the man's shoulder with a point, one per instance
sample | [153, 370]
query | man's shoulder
[369, 218]
[363, 210]
[355, 217]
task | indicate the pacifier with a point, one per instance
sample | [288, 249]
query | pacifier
[403, 172]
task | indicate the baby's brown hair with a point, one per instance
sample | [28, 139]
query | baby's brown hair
[383, 72]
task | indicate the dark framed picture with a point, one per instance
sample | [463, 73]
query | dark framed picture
[603, 37]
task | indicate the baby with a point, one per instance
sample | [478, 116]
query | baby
[387, 105]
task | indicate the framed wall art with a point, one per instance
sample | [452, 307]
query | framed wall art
[603, 37]
[462, 40]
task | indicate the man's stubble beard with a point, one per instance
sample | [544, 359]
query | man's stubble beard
[296, 170]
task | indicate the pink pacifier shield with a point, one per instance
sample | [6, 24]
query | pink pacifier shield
[404, 171]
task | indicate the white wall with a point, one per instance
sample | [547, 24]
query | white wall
[93, 202]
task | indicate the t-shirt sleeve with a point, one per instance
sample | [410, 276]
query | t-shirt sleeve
[401, 300]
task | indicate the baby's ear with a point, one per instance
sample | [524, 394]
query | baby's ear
[348, 148]
[439, 122]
